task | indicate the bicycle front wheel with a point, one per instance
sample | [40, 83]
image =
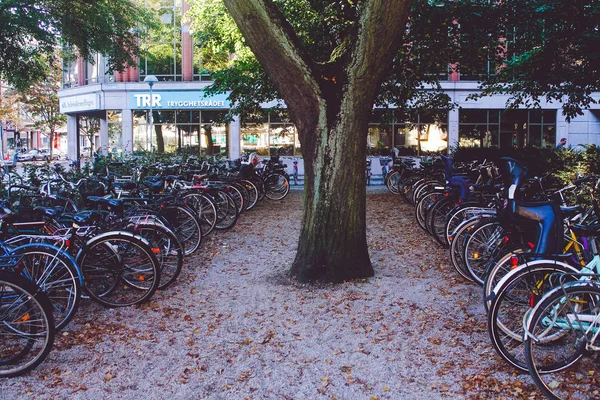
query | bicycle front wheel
[119, 269]
[56, 274]
[276, 187]
[167, 249]
[514, 297]
[562, 343]
[26, 325]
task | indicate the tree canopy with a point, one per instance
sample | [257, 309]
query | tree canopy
[33, 29]
[532, 50]
[41, 101]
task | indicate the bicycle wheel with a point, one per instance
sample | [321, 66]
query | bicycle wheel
[392, 182]
[186, 224]
[260, 186]
[238, 197]
[427, 187]
[480, 247]
[463, 213]
[26, 325]
[167, 249]
[56, 274]
[514, 297]
[457, 246]
[227, 212]
[205, 209]
[424, 206]
[408, 186]
[253, 194]
[498, 269]
[119, 269]
[437, 220]
[276, 187]
[561, 348]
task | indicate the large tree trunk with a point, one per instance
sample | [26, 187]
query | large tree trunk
[330, 104]
[333, 244]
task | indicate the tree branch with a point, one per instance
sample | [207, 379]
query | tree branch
[381, 28]
[278, 49]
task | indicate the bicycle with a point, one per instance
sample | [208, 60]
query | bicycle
[26, 324]
[562, 339]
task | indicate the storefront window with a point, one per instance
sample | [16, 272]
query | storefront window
[115, 132]
[507, 128]
[254, 138]
[271, 133]
[414, 133]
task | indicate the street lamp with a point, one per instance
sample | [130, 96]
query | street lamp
[151, 80]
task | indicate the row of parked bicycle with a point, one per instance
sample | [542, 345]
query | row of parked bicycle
[114, 239]
[535, 253]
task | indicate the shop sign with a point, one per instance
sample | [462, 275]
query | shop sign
[84, 102]
[177, 100]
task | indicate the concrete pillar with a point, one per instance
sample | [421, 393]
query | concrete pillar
[234, 142]
[187, 52]
[453, 128]
[127, 128]
[72, 137]
[104, 134]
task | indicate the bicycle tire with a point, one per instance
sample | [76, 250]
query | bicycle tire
[253, 195]
[119, 269]
[555, 351]
[227, 212]
[513, 298]
[392, 182]
[462, 213]
[498, 269]
[407, 186]
[480, 246]
[424, 206]
[457, 246]
[56, 274]
[186, 224]
[205, 208]
[277, 187]
[26, 325]
[437, 220]
[166, 247]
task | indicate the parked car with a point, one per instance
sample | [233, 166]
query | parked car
[28, 156]
[44, 154]
[38, 155]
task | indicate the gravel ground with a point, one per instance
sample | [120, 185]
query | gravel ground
[233, 328]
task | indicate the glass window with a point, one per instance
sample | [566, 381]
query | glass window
[163, 117]
[254, 138]
[188, 138]
[139, 117]
[549, 116]
[535, 116]
[549, 136]
[534, 136]
[187, 116]
[281, 139]
[211, 117]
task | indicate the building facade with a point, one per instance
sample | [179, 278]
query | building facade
[183, 119]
